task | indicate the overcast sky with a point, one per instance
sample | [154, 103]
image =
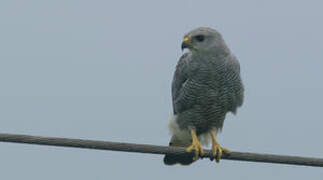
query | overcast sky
[102, 70]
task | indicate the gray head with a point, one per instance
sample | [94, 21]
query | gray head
[205, 39]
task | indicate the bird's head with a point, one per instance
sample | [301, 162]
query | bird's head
[204, 39]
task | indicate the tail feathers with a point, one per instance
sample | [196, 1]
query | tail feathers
[183, 159]
[180, 138]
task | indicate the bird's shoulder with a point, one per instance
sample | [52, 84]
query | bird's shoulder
[183, 60]
[233, 64]
[182, 68]
[180, 74]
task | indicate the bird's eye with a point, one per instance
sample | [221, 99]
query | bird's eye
[200, 38]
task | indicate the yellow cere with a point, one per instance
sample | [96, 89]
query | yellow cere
[186, 39]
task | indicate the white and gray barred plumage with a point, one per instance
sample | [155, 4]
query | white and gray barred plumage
[206, 85]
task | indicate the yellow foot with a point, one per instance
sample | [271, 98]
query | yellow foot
[217, 150]
[196, 146]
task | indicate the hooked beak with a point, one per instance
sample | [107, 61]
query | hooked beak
[186, 43]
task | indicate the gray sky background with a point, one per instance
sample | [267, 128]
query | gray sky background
[102, 70]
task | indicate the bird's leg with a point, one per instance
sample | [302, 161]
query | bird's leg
[217, 149]
[196, 146]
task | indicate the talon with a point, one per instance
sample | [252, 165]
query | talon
[217, 150]
[196, 146]
[226, 151]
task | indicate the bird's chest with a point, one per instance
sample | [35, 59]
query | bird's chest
[205, 72]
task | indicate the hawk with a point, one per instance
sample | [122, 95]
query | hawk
[206, 86]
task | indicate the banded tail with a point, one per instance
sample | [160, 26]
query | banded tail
[183, 159]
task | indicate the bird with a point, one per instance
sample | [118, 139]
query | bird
[206, 86]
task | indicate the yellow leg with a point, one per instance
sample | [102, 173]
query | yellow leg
[196, 146]
[217, 149]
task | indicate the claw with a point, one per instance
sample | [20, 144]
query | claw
[196, 146]
[217, 150]
[225, 150]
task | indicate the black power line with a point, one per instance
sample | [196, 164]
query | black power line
[153, 149]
